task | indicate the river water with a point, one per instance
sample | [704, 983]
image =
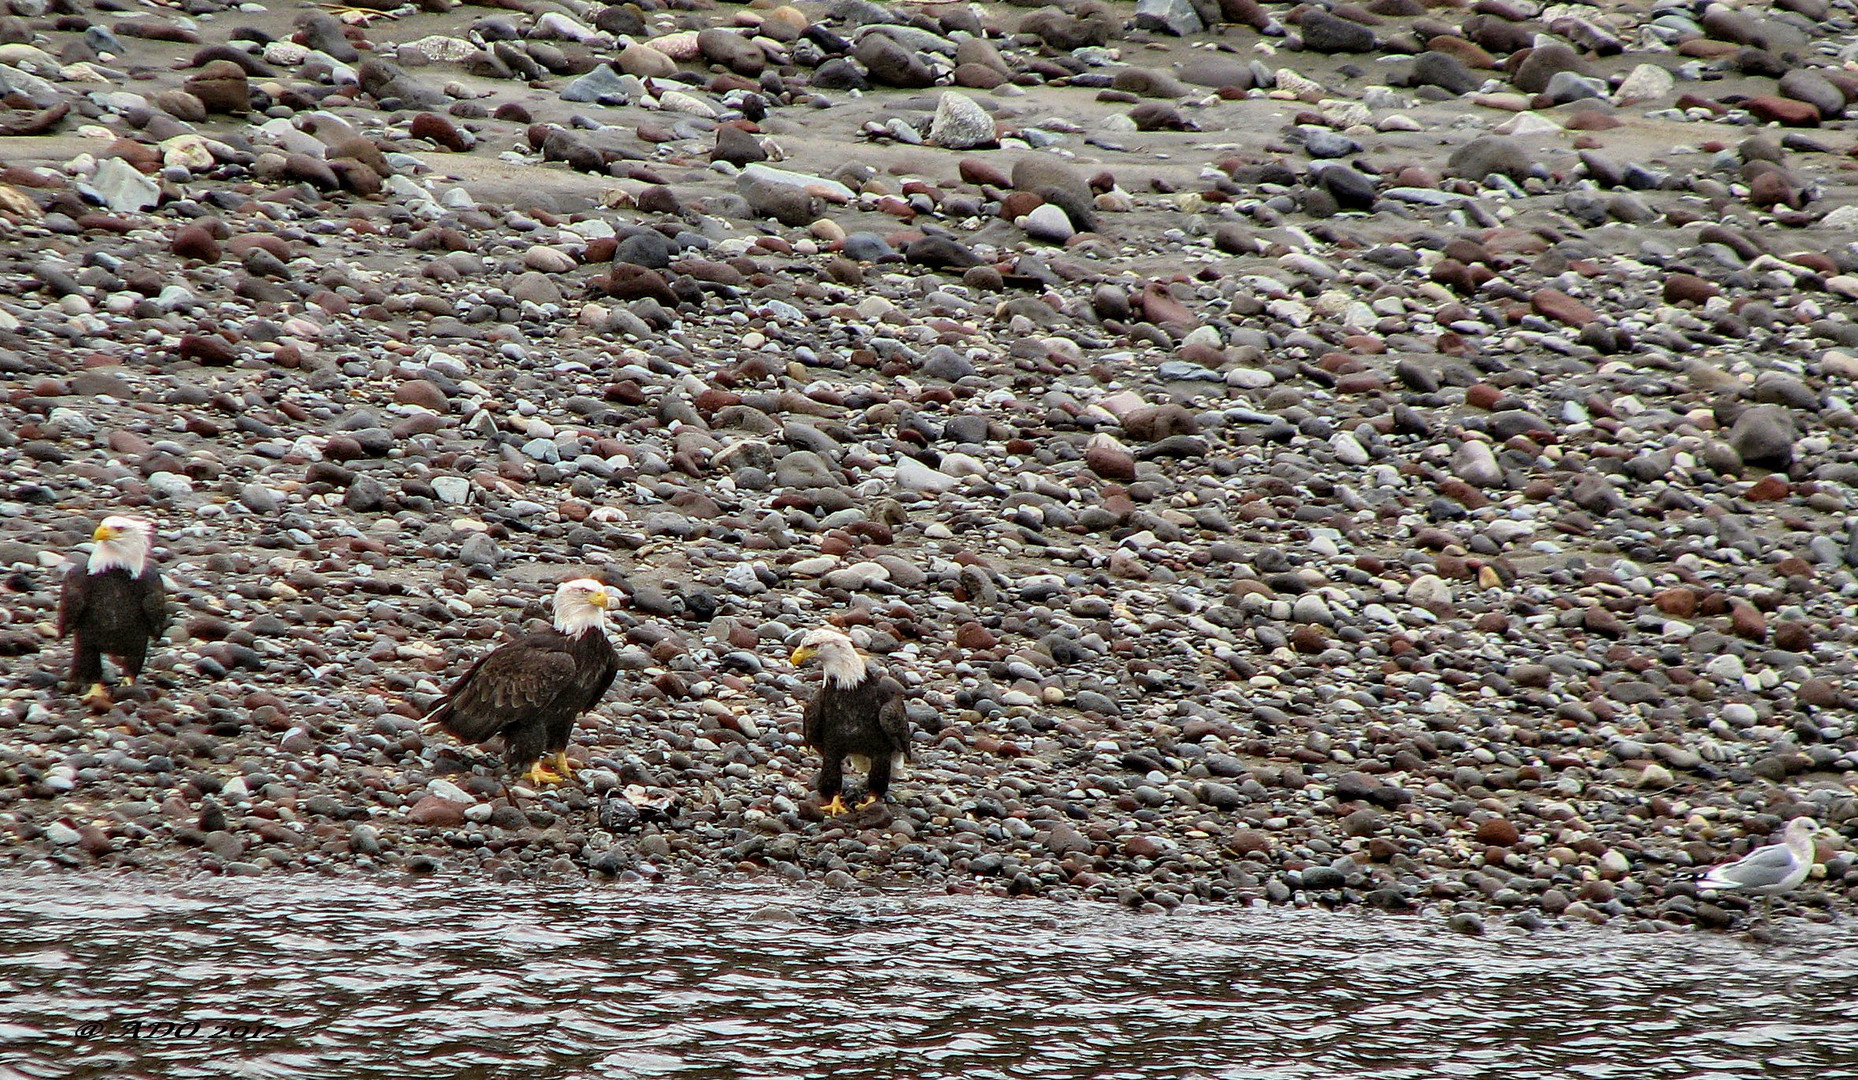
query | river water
[303, 978]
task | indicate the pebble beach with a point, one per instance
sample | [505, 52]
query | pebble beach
[1391, 456]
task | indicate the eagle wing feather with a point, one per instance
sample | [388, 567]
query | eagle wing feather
[810, 719]
[512, 682]
[154, 603]
[893, 717]
[72, 599]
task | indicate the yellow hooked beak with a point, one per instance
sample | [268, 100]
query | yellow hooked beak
[105, 532]
[601, 599]
[803, 654]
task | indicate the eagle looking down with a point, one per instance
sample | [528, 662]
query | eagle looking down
[531, 690]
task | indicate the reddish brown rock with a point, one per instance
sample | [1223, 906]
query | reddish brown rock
[423, 394]
[436, 813]
[1482, 396]
[1746, 621]
[974, 637]
[1159, 306]
[1687, 102]
[1245, 13]
[1794, 637]
[1018, 204]
[344, 448]
[1819, 693]
[181, 105]
[1140, 846]
[195, 242]
[1559, 306]
[1110, 462]
[208, 349]
[630, 281]
[1784, 111]
[1468, 53]
[978, 77]
[1498, 832]
[237, 246]
[1157, 422]
[1454, 274]
[1688, 289]
[313, 171]
[1816, 261]
[356, 177]
[1771, 189]
[1770, 488]
[1599, 620]
[1592, 120]
[144, 157]
[1249, 842]
[440, 131]
[221, 87]
[973, 170]
[1361, 382]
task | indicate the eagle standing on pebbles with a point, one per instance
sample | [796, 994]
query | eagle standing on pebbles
[112, 605]
[531, 690]
[858, 711]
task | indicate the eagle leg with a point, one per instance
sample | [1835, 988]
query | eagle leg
[871, 799]
[98, 697]
[561, 765]
[537, 774]
[835, 807]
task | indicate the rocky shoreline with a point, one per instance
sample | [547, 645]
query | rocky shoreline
[1392, 455]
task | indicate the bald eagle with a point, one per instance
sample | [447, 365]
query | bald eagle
[858, 711]
[112, 605]
[531, 690]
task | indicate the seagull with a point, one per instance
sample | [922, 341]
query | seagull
[1770, 870]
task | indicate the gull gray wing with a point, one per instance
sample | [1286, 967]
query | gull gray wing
[1763, 866]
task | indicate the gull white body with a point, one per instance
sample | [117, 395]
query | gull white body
[1772, 869]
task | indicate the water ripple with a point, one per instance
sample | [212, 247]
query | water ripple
[360, 980]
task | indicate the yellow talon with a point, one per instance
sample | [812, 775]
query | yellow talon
[561, 765]
[836, 806]
[869, 800]
[98, 697]
[539, 775]
[128, 680]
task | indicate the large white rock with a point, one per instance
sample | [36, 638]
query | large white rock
[913, 475]
[1647, 82]
[14, 81]
[120, 187]
[453, 490]
[188, 151]
[1429, 589]
[960, 123]
[450, 792]
[1047, 223]
[1476, 464]
[819, 185]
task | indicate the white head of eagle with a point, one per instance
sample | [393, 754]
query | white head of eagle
[122, 543]
[837, 657]
[580, 605]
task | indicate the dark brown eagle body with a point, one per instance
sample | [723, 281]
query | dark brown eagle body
[110, 613]
[530, 692]
[867, 719]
